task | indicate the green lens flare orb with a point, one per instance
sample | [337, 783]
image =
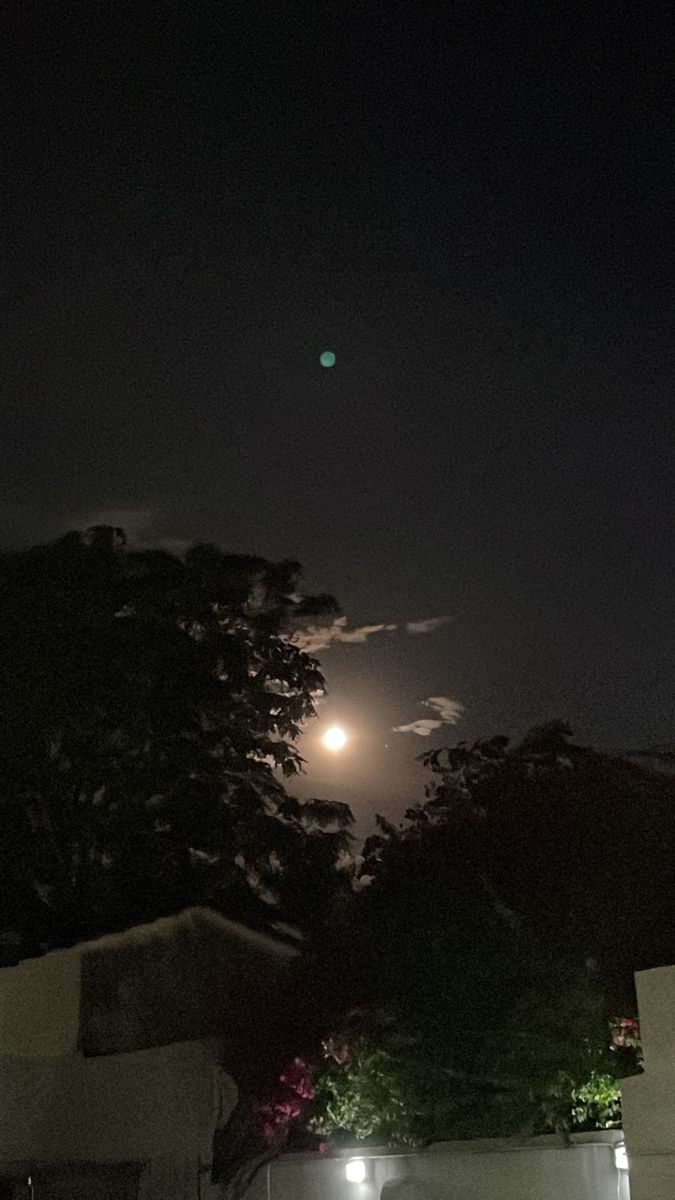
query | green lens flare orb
[327, 359]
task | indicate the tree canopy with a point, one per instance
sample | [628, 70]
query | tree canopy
[149, 707]
[491, 954]
[579, 842]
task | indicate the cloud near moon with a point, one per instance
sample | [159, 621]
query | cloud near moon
[427, 624]
[318, 637]
[423, 727]
[448, 711]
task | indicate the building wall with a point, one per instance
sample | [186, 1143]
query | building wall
[649, 1099]
[155, 1108]
[149, 1117]
[539, 1169]
[153, 1103]
[40, 1005]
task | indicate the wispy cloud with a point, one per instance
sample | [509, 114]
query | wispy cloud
[423, 727]
[448, 712]
[427, 624]
[320, 637]
[316, 637]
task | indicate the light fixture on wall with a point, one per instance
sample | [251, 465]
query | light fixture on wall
[355, 1170]
[621, 1156]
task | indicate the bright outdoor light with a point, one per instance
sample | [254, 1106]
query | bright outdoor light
[355, 1170]
[621, 1156]
[334, 738]
[327, 359]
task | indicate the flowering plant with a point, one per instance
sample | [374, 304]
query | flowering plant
[295, 1090]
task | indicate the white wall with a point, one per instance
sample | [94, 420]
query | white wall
[649, 1099]
[540, 1169]
[40, 1005]
[157, 1107]
[154, 1103]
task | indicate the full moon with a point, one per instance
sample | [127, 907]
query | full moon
[334, 738]
[327, 359]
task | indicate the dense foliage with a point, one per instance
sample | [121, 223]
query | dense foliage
[597, 1103]
[385, 1099]
[478, 970]
[577, 844]
[149, 706]
[499, 931]
[548, 1066]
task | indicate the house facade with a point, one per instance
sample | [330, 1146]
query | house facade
[113, 1054]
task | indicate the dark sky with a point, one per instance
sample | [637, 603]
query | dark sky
[472, 206]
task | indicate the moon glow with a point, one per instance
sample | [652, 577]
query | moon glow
[334, 738]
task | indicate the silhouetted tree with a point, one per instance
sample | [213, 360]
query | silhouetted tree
[497, 932]
[579, 843]
[149, 706]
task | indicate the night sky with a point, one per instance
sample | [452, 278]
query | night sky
[472, 206]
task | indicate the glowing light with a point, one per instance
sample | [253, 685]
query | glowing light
[355, 1170]
[327, 359]
[621, 1156]
[334, 738]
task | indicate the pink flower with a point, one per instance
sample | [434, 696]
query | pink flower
[299, 1079]
[288, 1110]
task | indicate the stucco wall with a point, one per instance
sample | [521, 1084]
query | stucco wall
[156, 1107]
[649, 1099]
[40, 1005]
[155, 1103]
[540, 1169]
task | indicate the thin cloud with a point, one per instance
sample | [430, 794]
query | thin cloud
[427, 624]
[423, 727]
[448, 712]
[320, 637]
